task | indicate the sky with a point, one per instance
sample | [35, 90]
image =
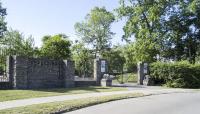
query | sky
[49, 17]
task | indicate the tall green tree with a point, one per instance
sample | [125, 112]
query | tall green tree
[15, 43]
[83, 59]
[95, 30]
[130, 56]
[56, 47]
[3, 27]
[167, 28]
[183, 30]
[115, 58]
[144, 23]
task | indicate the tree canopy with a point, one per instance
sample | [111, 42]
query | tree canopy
[163, 29]
[56, 47]
[3, 27]
[15, 43]
[83, 59]
[115, 58]
[95, 29]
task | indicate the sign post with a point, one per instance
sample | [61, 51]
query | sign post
[103, 66]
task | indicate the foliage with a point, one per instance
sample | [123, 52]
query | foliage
[83, 60]
[14, 43]
[95, 30]
[56, 47]
[167, 29]
[2, 68]
[3, 27]
[130, 56]
[115, 59]
[143, 22]
[121, 57]
[178, 74]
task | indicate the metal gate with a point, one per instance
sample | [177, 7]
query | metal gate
[4, 78]
[86, 71]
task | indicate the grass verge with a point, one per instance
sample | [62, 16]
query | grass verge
[24, 94]
[66, 106]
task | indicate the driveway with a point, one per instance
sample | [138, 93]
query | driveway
[173, 103]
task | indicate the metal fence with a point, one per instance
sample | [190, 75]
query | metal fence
[3, 72]
[86, 71]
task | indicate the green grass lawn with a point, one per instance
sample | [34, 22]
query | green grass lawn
[66, 106]
[23, 94]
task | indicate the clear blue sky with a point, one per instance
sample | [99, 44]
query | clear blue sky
[49, 17]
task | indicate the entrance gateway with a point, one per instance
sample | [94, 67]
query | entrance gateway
[32, 73]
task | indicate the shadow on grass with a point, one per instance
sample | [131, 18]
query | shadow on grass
[75, 89]
[129, 86]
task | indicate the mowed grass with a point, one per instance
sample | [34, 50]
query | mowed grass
[66, 106]
[6, 95]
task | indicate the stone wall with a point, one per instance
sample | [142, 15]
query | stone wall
[5, 85]
[33, 73]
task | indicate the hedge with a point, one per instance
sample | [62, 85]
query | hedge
[178, 74]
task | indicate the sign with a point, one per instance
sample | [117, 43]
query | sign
[103, 66]
[145, 68]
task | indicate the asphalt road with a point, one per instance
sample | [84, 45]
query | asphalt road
[174, 103]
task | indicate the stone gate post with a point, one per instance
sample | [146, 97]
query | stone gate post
[140, 73]
[20, 72]
[100, 68]
[68, 72]
[9, 70]
[143, 70]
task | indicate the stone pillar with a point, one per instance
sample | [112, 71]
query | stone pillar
[68, 73]
[96, 71]
[140, 71]
[9, 69]
[20, 72]
[100, 68]
[143, 69]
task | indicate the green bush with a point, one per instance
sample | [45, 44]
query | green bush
[2, 67]
[178, 74]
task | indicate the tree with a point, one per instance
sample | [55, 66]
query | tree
[165, 28]
[144, 23]
[56, 47]
[83, 59]
[14, 43]
[95, 30]
[130, 56]
[115, 58]
[3, 27]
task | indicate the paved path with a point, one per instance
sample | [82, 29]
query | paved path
[174, 103]
[25, 102]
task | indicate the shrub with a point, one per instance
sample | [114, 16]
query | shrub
[178, 74]
[2, 67]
